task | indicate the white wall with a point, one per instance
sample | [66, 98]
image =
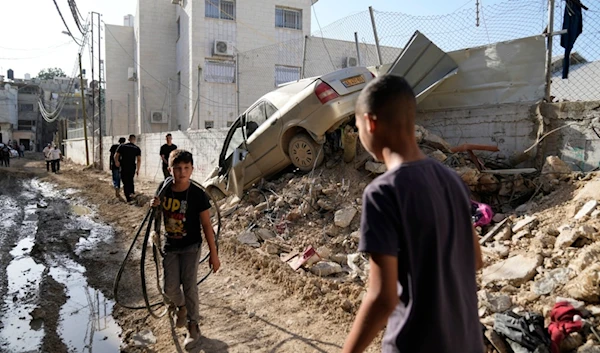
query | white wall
[8, 105]
[205, 145]
[120, 101]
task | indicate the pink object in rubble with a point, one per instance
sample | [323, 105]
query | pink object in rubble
[482, 213]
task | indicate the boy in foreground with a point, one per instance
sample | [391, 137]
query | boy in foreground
[416, 227]
[185, 213]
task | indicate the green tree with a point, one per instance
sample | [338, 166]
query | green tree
[50, 73]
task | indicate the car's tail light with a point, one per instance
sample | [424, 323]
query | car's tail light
[325, 93]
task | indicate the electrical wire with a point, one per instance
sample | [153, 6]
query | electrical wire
[323, 39]
[65, 22]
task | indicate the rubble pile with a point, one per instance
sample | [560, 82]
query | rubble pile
[543, 252]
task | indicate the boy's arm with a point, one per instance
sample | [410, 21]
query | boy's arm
[209, 234]
[379, 302]
[477, 251]
[139, 165]
[117, 163]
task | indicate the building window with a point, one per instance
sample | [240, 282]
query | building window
[179, 82]
[284, 74]
[25, 107]
[178, 27]
[223, 9]
[26, 125]
[209, 124]
[288, 18]
[220, 71]
[27, 90]
[229, 123]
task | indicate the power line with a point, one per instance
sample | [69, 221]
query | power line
[322, 38]
[65, 22]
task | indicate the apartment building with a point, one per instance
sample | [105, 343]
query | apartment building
[175, 64]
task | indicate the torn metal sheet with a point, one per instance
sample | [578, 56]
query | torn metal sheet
[505, 72]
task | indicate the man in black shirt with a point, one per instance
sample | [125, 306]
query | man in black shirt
[165, 151]
[116, 174]
[128, 157]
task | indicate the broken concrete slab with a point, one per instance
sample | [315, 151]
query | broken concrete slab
[551, 281]
[325, 205]
[586, 285]
[438, 155]
[326, 268]
[249, 238]
[555, 168]
[433, 140]
[587, 209]
[568, 235]
[264, 234]
[377, 168]
[344, 217]
[516, 270]
[523, 223]
[587, 256]
[144, 338]
[498, 303]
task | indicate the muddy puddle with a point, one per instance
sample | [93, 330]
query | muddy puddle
[47, 303]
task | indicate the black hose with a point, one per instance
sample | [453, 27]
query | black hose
[153, 214]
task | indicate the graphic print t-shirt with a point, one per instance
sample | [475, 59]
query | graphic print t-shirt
[181, 211]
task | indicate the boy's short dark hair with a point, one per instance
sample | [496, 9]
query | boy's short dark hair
[132, 136]
[168, 135]
[180, 156]
[122, 140]
[376, 97]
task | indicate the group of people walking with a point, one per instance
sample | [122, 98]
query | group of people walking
[53, 156]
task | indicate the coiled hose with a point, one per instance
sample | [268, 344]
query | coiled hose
[153, 216]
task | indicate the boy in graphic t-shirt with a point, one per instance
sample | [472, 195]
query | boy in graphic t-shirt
[185, 210]
[416, 227]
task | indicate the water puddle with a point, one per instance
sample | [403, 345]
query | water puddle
[85, 305]
[20, 334]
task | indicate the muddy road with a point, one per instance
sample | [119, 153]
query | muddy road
[63, 238]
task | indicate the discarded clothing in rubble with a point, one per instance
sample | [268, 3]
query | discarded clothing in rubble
[562, 323]
[573, 23]
[524, 334]
[481, 214]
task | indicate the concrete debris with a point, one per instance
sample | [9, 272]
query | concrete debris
[551, 281]
[325, 269]
[587, 209]
[469, 175]
[571, 342]
[525, 222]
[487, 184]
[588, 231]
[555, 168]
[349, 138]
[589, 347]
[586, 285]
[264, 234]
[325, 205]
[420, 132]
[500, 250]
[435, 141]
[341, 259]
[249, 238]
[504, 234]
[374, 167]
[499, 217]
[595, 214]
[344, 217]
[525, 233]
[497, 303]
[438, 155]
[144, 338]
[359, 266]
[567, 237]
[575, 303]
[516, 270]
[588, 256]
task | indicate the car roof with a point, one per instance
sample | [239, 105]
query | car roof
[282, 95]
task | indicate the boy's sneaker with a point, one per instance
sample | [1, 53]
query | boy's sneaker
[180, 316]
[193, 336]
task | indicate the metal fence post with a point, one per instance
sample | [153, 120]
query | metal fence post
[549, 50]
[304, 57]
[357, 48]
[375, 34]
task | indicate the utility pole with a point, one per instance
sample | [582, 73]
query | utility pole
[99, 93]
[93, 92]
[87, 157]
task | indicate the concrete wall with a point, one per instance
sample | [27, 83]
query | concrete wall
[577, 142]
[511, 127]
[8, 111]
[120, 102]
[205, 145]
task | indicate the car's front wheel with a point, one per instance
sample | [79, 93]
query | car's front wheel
[305, 153]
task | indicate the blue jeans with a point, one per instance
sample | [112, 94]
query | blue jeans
[116, 176]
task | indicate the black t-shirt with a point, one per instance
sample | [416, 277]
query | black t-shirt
[111, 161]
[165, 150]
[420, 212]
[128, 153]
[181, 216]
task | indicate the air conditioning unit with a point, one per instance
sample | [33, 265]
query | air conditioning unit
[351, 61]
[158, 117]
[131, 74]
[223, 48]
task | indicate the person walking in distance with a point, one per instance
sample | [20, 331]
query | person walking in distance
[128, 158]
[116, 173]
[165, 150]
[416, 227]
[4, 155]
[186, 214]
[22, 150]
[47, 157]
[55, 156]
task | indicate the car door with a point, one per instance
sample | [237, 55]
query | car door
[263, 128]
[423, 64]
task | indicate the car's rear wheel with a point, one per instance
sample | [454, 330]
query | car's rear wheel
[305, 153]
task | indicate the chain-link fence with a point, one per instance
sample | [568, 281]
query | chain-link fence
[351, 42]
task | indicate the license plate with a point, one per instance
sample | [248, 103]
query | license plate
[353, 81]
